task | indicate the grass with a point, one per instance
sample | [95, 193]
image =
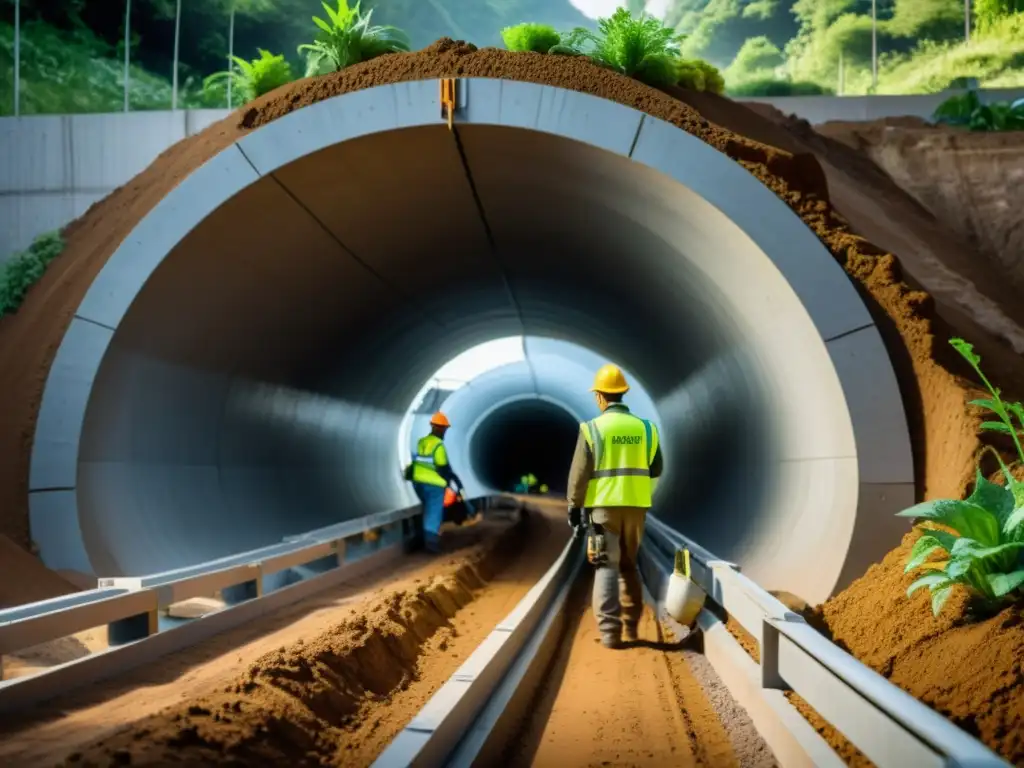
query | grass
[23, 270]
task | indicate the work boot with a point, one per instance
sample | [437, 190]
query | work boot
[610, 641]
[629, 634]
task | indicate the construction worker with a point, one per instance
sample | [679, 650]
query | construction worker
[611, 480]
[431, 474]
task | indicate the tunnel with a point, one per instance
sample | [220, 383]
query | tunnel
[239, 369]
[526, 436]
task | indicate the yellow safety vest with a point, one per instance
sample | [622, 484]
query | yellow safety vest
[430, 453]
[623, 447]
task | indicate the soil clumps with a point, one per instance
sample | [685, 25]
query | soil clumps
[321, 701]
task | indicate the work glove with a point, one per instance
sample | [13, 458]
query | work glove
[576, 519]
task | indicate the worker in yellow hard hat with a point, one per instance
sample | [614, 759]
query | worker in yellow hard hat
[431, 474]
[617, 458]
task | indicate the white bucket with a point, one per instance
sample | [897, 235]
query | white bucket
[684, 598]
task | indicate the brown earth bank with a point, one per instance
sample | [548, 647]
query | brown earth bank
[24, 578]
[944, 429]
[971, 671]
[970, 180]
[46, 734]
[340, 697]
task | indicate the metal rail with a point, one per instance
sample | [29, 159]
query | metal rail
[891, 727]
[465, 722]
[130, 606]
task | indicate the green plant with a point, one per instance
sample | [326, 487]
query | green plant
[640, 47]
[348, 39]
[986, 531]
[255, 78]
[699, 75]
[966, 109]
[539, 38]
[24, 269]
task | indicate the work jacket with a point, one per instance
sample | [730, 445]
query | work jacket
[430, 462]
[617, 457]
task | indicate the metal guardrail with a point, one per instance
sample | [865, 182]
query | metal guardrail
[891, 727]
[129, 606]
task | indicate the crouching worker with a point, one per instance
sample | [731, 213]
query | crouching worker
[431, 474]
[610, 485]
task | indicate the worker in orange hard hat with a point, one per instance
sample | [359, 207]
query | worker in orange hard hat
[614, 469]
[431, 474]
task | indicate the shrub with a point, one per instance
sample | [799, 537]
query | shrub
[348, 39]
[699, 75]
[539, 38]
[986, 531]
[966, 109]
[24, 269]
[777, 87]
[255, 78]
[640, 47]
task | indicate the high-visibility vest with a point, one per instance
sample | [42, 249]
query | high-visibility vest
[623, 447]
[430, 453]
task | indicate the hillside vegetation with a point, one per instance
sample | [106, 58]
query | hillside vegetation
[72, 51]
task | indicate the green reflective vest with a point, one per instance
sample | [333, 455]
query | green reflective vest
[430, 453]
[623, 447]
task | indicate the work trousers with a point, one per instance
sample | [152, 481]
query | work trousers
[618, 598]
[432, 499]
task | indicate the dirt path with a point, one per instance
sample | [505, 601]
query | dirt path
[639, 706]
[348, 680]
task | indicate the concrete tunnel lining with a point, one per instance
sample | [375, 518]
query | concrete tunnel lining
[121, 471]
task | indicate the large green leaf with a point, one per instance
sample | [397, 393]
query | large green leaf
[932, 580]
[1013, 528]
[997, 499]
[1003, 583]
[996, 426]
[939, 597]
[926, 545]
[966, 518]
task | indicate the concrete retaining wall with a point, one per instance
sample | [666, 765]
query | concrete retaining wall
[53, 167]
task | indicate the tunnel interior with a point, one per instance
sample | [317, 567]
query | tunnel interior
[525, 436]
[255, 384]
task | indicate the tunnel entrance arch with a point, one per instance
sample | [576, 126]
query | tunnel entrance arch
[139, 426]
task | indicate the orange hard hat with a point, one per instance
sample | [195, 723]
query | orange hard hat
[610, 379]
[439, 420]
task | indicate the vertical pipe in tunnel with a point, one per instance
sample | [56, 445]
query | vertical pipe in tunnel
[529, 435]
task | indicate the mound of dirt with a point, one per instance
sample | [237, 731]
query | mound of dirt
[970, 180]
[322, 701]
[970, 671]
[24, 579]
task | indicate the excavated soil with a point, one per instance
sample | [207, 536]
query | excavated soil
[45, 735]
[340, 697]
[970, 180]
[944, 429]
[969, 670]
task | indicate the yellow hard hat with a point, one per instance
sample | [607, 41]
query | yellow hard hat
[610, 379]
